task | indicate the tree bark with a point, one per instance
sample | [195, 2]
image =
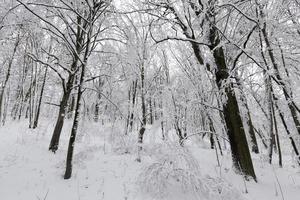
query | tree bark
[236, 133]
[61, 117]
[289, 135]
[144, 116]
[68, 171]
[69, 167]
[134, 90]
[37, 116]
[253, 139]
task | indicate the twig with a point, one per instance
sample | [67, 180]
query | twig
[53, 104]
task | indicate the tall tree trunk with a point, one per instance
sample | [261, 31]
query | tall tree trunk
[74, 130]
[32, 95]
[68, 87]
[253, 139]
[271, 117]
[211, 136]
[128, 111]
[6, 105]
[277, 137]
[134, 90]
[150, 111]
[144, 116]
[176, 122]
[239, 148]
[236, 133]
[289, 135]
[61, 115]
[37, 115]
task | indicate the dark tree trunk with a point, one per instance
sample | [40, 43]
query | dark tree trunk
[185, 123]
[211, 136]
[269, 92]
[59, 122]
[289, 134]
[277, 137]
[251, 131]
[262, 137]
[129, 110]
[144, 116]
[68, 172]
[62, 111]
[6, 105]
[253, 139]
[134, 90]
[96, 112]
[150, 111]
[36, 120]
[68, 88]
[236, 133]
[140, 142]
[176, 122]
[32, 96]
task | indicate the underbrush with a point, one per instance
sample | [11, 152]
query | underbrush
[176, 172]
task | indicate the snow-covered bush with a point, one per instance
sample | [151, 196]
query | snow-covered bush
[176, 175]
[175, 170]
[122, 143]
[221, 189]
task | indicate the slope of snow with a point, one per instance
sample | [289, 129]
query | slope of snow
[104, 167]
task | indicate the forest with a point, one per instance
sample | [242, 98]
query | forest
[149, 99]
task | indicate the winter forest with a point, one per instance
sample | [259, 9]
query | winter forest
[149, 100]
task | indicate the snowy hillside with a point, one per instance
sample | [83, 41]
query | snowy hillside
[102, 169]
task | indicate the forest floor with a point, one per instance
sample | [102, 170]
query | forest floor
[104, 167]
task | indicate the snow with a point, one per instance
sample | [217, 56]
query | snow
[102, 171]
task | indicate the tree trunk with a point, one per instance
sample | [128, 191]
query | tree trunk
[249, 119]
[176, 122]
[271, 122]
[144, 116]
[150, 111]
[128, 111]
[211, 136]
[134, 90]
[32, 96]
[236, 133]
[239, 148]
[289, 134]
[277, 137]
[61, 116]
[36, 120]
[68, 171]
[6, 105]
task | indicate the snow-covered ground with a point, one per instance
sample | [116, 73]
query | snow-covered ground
[104, 167]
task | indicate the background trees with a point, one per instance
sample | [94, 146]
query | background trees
[226, 72]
